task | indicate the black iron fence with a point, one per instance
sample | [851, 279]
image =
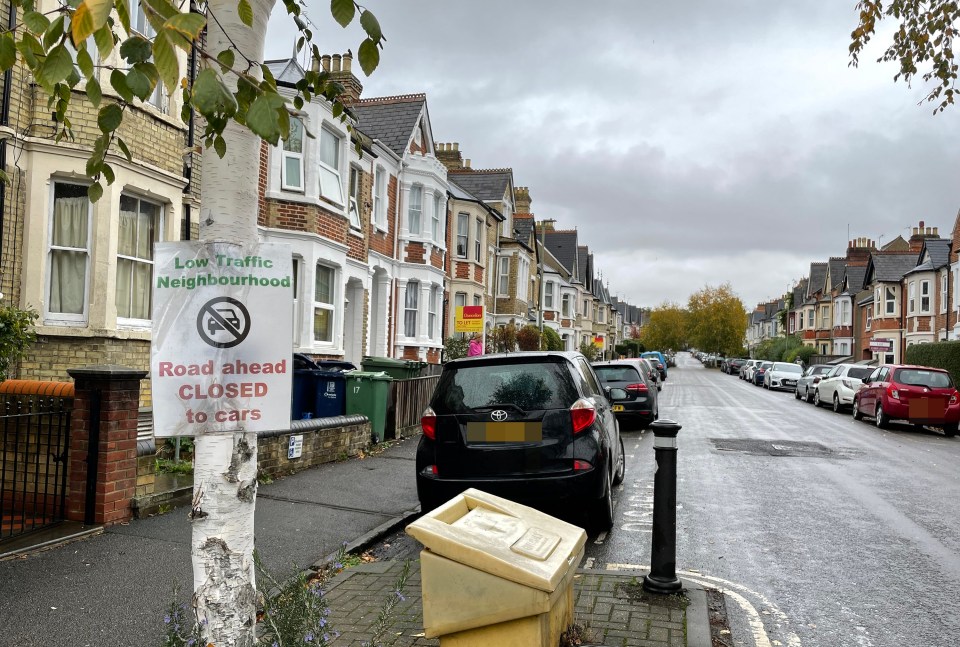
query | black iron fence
[34, 445]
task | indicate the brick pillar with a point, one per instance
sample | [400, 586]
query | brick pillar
[105, 404]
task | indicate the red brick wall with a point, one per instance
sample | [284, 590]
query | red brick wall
[436, 258]
[433, 355]
[411, 352]
[462, 270]
[414, 253]
[478, 274]
[262, 182]
[382, 242]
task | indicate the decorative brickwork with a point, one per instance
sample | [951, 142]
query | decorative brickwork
[414, 253]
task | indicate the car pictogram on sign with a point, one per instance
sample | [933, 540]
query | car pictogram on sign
[223, 322]
[229, 315]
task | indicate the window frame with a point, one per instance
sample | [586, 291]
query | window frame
[869, 322]
[418, 210]
[158, 228]
[548, 288]
[330, 307]
[924, 295]
[478, 241]
[503, 277]
[565, 306]
[408, 309]
[890, 300]
[67, 317]
[911, 297]
[463, 219]
[436, 230]
[353, 199]
[324, 166]
[432, 308]
[944, 291]
[380, 198]
[456, 304]
[286, 154]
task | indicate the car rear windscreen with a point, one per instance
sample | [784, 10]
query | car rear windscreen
[617, 373]
[920, 377]
[527, 385]
[859, 372]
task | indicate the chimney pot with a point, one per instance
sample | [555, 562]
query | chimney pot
[935, 233]
[921, 224]
[325, 62]
[347, 61]
[315, 65]
[456, 146]
[336, 63]
[466, 163]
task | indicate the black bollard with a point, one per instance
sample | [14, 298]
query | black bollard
[663, 558]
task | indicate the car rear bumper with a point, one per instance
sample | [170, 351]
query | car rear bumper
[901, 411]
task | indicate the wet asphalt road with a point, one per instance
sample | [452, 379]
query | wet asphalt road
[823, 531]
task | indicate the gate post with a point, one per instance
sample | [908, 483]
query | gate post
[103, 443]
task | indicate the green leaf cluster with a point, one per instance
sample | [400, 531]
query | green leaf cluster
[17, 334]
[56, 48]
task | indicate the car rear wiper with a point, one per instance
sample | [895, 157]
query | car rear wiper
[500, 405]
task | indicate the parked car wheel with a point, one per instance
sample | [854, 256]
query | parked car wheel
[816, 399]
[621, 466]
[836, 403]
[857, 414]
[950, 430]
[806, 395]
[883, 420]
[600, 518]
[796, 394]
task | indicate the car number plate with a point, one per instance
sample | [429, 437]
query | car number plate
[921, 408]
[789, 383]
[504, 432]
[618, 407]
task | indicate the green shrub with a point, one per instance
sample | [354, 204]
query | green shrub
[528, 338]
[16, 335]
[589, 350]
[944, 354]
[551, 339]
[502, 339]
[455, 347]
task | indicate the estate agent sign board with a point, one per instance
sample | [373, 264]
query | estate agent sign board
[222, 338]
[468, 319]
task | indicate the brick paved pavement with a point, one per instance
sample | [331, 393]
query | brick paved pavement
[610, 604]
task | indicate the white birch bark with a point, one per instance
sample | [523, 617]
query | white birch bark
[225, 465]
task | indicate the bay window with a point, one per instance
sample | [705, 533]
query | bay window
[437, 230]
[459, 301]
[432, 311]
[353, 207]
[476, 242]
[565, 306]
[69, 256]
[548, 295]
[139, 228]
[323, 304]
[503, 278]
[912, 297]
[891, 301]
[925, 297]
[944, 283]
[330, 182]
[379, 198]
[463, 226]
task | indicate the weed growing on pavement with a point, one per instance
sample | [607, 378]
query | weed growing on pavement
[180, 626]
[385, 617]
[295, 613]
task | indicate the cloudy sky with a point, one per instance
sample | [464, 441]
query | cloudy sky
[690, 143]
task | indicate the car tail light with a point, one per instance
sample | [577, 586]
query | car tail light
[851, 384]
[429, 470]
[428, 423]
[954, 397]
[816, 379]
[580, 466]
[639, 387]
[583, 415]
[893, 393]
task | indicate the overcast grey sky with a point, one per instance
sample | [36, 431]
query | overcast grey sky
[690, 143]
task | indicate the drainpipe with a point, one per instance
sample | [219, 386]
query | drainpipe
[191, 129]
[5, 120]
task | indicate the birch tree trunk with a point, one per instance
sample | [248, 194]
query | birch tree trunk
[225, 465]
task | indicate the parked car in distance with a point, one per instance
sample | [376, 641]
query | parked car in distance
[746, 371]
[735, 365]
[782, 375]
[652, 371]
[640, 408]
[921, 395]
[759, 372]
[840, 384]
[658, 356]
[534, 427]
[810, 378]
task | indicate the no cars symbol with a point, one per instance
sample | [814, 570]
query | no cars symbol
[223, 322]
[499, 415]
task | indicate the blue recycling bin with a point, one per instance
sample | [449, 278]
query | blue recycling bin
[318, 388]
[330, 388]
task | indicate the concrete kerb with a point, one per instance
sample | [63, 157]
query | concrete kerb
[367, 539]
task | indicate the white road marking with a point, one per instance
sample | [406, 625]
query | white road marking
[588, 563]
[600, 538]
[760, 637]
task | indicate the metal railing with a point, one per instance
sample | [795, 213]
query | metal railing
[34, 446]
[407, 400]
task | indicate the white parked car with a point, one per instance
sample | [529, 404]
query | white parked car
[746, 371]
[782, 375]
[840, 384]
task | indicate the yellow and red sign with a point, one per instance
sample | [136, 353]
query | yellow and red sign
[468, 319]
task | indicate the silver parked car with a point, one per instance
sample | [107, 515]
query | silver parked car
[840, 384]
[746, 371]
[809, 380]
[782, 375]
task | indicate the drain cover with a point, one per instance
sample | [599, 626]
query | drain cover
[792, 448]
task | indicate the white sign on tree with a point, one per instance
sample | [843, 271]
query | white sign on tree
[222, 338]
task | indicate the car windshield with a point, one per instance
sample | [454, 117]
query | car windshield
[616, 373]
[920, 377]
[766, 365]
[859, 372]
[819, 370]
[788, 368]
[530, 386]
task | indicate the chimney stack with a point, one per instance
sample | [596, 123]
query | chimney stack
[449, 155]
[859, 250]
[521, 199]
[921, 233]
[338, 67]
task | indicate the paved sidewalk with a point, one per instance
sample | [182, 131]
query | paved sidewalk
[609, 604]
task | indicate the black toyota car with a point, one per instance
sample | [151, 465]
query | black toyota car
[535, 427]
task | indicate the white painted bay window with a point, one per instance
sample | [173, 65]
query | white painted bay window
[324, 309]
[944, 290]
[503, 277]
[410, 306]
[380, 198]
[354, 206]
[432, 308]
[436, 230]
[291, 167]
[891, 300]
[139, 227]
[912, 297]
[548, 294]
[415, 209]
[565, 306]
[925, 297]
[463, 226]
[69, 255]
[476, 243]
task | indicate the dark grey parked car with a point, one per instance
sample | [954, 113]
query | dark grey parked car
[807, 384]
[536, 428]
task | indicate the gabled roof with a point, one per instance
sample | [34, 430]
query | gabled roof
[459, 193]
[937, 250]
[285, 70]
[836, 266]
[890, 267]
[563, 245]
[799, 292]
[854, 278]
[585, 265]
[524, 225]
[818, 277]
[898, 244]
[392, 120]
[487, 184]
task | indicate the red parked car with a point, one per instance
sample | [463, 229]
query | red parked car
[921, 395]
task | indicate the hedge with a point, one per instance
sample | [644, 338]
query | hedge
[942, 354]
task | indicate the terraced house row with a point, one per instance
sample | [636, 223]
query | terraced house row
[388, 237]
[872, 303]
